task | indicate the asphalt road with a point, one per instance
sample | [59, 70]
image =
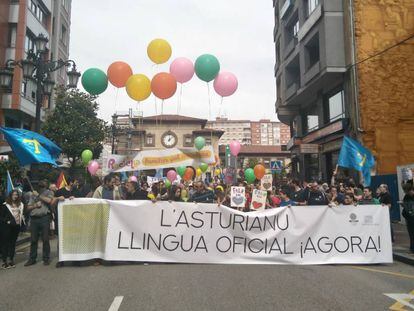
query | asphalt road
[203, 287]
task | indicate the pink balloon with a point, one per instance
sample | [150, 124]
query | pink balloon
[93, 167]
[225, 84]
[132, 179]
[171, 175]
[182, 69]
[235, 147]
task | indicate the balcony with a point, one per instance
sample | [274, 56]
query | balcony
[310, 22]
[312, 72]
[290, 47]
[291, 90]
[285, 8]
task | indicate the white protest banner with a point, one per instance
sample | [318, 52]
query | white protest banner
[238, 196]
[205, 233]
[157, 159]
[258, 200]
[267, 182]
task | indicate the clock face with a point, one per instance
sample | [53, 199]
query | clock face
[169, 139]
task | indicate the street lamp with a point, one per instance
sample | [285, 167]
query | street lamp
[37, 68]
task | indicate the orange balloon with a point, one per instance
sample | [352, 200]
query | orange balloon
[259, 171]
[118, 73]
[163, 85]
[189, 174]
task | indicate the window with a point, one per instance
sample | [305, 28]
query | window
[33, 7]
[38, 11]
[11, 39]
[312, 52]
[292, 29]
[29, 43]
[313, 123]
[150, 140]
[63, 34]
[10, 122]
[296, 29]
[188, 140]
[336, 106]
[24, 88]
[312, 4]
[208, 141]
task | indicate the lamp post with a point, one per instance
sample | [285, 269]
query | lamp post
[38, 68]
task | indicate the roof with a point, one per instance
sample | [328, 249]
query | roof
[257, 149]
[174, 118]
[219, 133]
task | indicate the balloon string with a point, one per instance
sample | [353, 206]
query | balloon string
[179, 103]
[162, 111]
[221, 107]
[116, 98]
[209, 102]
[156, 112]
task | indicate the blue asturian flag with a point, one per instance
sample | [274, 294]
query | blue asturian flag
[354, 155]
[30, 147]
[9, 184]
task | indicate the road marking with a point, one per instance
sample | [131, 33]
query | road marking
[403, 300]
[385, 272]
[116, 303]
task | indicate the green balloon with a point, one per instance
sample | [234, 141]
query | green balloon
[167, 183]
[181, 170]
[199, 142]
[203, 167]
[94, 81]
[249, 175]
[207, 67]
[86, 156]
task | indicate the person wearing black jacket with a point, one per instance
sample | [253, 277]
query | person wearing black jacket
[408, 212]
[315, 196]
[133, 193]
[11, 219]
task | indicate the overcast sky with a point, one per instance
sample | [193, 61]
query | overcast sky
[238, 32]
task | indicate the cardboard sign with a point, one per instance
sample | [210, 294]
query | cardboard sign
[238, 196]
[267, 182]
[258, 200]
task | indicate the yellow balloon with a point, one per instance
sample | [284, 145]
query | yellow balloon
[217, 171]
[199, 172]
[159, 51]
[151, 196]
[138, 87]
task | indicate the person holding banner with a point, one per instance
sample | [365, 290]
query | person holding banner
[11, 220]
[201, 194]
[285, 199]
[107, 190]
[39, 208]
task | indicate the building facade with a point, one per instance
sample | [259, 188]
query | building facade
[134, 133]
[335, 76]
[263, 132]
[20, 22]
[311, 83]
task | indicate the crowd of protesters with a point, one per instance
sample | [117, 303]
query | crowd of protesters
[36, 209]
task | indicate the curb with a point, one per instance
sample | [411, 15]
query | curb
[403, 258]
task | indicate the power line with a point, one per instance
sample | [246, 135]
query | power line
[383, 51]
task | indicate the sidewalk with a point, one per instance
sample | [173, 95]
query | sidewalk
[400, 247]
[24, 237]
